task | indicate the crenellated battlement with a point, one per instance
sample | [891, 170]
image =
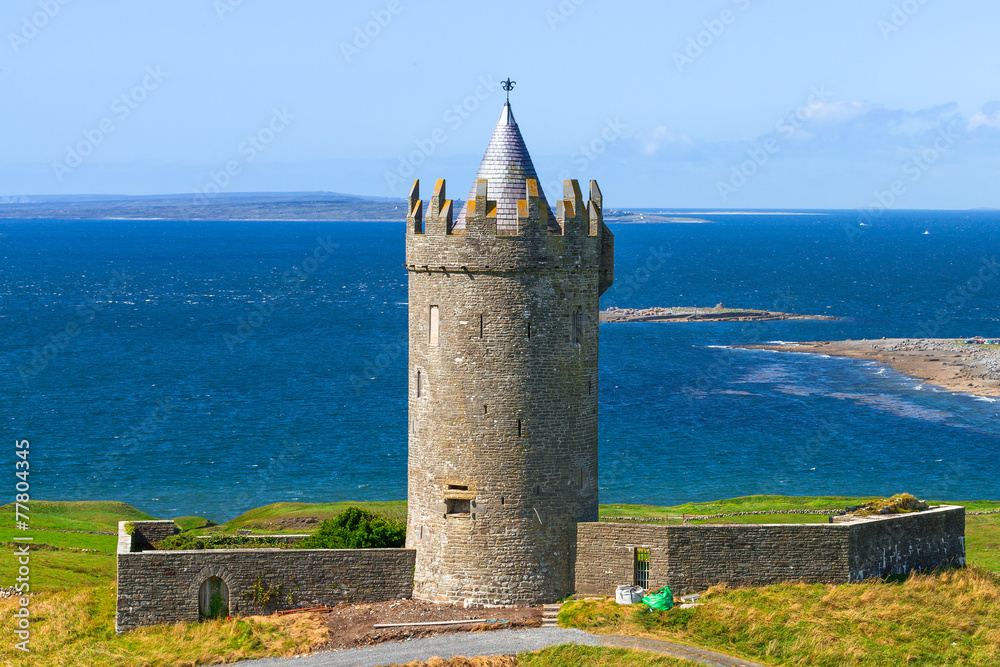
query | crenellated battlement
[580, 239]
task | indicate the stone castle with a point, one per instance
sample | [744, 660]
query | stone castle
[503, 329]
[503, 506]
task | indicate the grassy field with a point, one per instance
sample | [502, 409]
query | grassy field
[77, 627]
[953, 614]
[946, 618]
[257, 519]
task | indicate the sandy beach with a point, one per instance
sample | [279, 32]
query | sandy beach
[947, 363]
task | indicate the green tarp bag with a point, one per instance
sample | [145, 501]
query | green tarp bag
[661, 599]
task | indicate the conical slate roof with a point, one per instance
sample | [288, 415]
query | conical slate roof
[506, 165]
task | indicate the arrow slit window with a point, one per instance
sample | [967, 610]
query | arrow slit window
[434, 325]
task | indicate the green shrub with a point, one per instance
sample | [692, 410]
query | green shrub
[191, 540]
[355, 528]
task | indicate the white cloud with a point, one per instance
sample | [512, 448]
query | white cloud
[988, 116]
[660, 138]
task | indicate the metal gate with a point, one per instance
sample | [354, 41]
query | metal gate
[641, 577]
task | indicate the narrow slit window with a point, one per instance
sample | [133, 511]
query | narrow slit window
[458, 487]
[529, 330]
[577, 325]
[481, 325]
[641, 568]
[435, 325]
[486, 409]
[519, 428]
[420, 384]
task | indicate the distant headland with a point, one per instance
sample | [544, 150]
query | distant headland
[693, 314]
[967, 365]
[262, 206]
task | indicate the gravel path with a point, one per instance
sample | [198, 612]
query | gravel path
[500, 642]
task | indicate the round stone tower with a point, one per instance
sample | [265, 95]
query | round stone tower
[503, 324]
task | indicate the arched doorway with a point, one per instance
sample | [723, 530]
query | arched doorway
[213, 599]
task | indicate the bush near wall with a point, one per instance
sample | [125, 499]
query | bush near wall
[355, 528]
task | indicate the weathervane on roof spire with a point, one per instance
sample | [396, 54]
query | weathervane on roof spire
[508, 85]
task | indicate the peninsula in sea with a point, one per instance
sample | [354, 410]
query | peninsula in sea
[966, 365]
[695, 314]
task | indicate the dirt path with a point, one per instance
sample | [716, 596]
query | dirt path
[502, 642]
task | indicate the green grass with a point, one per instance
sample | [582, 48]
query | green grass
[949, 617]
[78, 628]
[573, 655]
[731, 505]
[60, 569]
[106, 543]
[79, 515]
[193, 522]
[982, 541]
[256, 519]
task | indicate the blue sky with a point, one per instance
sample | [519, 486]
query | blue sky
[712, 104]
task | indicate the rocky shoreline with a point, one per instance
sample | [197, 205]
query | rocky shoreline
[948, 363]
[693, 314]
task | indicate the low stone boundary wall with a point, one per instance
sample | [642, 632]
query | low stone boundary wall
[693, 557]
[142, 534]
[164, 586]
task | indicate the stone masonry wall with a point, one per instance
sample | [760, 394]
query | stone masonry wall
[756, 555]
[144, 533]
[162, 586]
[691, 558]
[605, 555]
[923, 540]
[503, 404]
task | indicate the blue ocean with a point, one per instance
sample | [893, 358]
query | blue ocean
[211, 367]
